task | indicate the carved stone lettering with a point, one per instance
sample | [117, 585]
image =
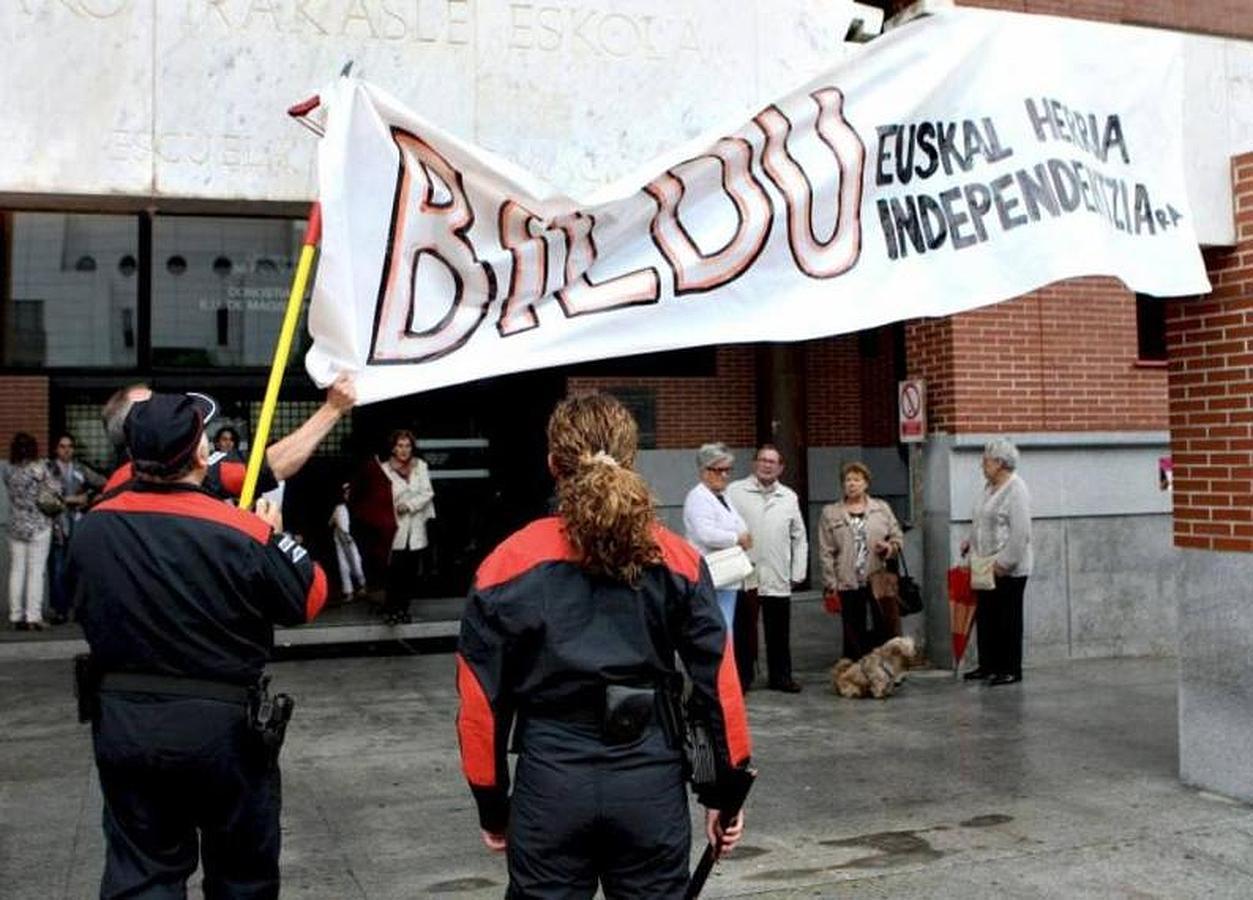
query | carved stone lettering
[235, 152]
[391, 21]
[600, 33]
[82, 9]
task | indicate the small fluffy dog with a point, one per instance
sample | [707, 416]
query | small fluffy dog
[876, 674]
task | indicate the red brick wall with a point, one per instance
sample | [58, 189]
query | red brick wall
[929, 352]
[1210, 345]
[851, 400]
[694, 411]
[23, 407]
[1227, 17]
[1062, 358]
[833, 397]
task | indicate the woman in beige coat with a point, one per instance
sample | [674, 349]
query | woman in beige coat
[856, 537]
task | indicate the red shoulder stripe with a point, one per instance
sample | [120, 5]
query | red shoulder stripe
[678, 555]
[731, 699]
[124, 473]
[231, 476]
[192, 505]
[476, 729]
[544, 540]
[316, 598]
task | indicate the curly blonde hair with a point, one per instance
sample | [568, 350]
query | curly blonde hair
[606, 506]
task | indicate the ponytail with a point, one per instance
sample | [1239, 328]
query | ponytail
[605, 505]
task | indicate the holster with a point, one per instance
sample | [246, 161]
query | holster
[687, 729]
[628, 711]
[268, 715]
[702, 759]
[86, 687]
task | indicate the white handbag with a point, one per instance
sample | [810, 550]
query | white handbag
[982, 576]
[728, 566]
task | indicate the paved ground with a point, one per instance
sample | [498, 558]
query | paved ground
[340, 623]
[1064, 786]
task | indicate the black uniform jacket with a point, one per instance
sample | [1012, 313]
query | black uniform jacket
[169, 580]
[541, 635]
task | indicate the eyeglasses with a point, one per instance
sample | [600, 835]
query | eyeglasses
[721, 470]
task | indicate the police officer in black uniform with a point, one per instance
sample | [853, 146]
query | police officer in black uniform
[178, 594]
[571, 631]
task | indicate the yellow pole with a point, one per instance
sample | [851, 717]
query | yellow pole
[261, 437]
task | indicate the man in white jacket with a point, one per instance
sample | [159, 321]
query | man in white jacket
[780, 555]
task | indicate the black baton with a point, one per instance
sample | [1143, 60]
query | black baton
[741, 782]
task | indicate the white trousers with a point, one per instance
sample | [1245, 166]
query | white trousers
[349, 559]
[28, 561]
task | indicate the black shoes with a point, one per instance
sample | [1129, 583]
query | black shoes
[992, 678]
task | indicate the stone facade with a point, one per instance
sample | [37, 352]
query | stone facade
[187, 99]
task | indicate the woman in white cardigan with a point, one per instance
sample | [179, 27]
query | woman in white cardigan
[710, 522]
[1001, 528]
[413, 502]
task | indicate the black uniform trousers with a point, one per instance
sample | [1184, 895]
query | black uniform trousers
[584, 812]
[776, 619]
[998, 626]
[184, 780]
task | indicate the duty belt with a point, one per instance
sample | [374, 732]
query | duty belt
[174, 686]
[622, 714]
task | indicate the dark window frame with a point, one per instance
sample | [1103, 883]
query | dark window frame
[1150, 330]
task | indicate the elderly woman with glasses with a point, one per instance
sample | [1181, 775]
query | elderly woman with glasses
[1000, 528]
[710, 521]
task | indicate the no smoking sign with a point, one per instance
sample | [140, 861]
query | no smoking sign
[912, 403]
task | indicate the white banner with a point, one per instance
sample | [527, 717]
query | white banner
[964, 159]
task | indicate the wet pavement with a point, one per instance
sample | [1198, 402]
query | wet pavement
[1063, 786]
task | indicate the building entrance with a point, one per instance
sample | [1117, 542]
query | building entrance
[484, 444]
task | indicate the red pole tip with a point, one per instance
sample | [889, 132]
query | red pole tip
[313, 234]
[304, 107]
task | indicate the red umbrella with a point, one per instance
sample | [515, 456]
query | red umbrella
[961, 610]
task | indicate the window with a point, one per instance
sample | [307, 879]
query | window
[288, 416]
[1150, 328]
[222, 304]
[68, 297]
[642, 402]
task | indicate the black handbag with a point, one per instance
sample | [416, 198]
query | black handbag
[909, 593]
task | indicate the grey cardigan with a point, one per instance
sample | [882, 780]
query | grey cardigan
[1001, 526]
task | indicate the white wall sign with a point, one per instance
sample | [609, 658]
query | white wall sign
[912, 406]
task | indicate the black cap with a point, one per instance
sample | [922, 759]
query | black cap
[163, 432]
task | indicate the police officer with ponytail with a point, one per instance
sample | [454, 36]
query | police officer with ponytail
[570, 637]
